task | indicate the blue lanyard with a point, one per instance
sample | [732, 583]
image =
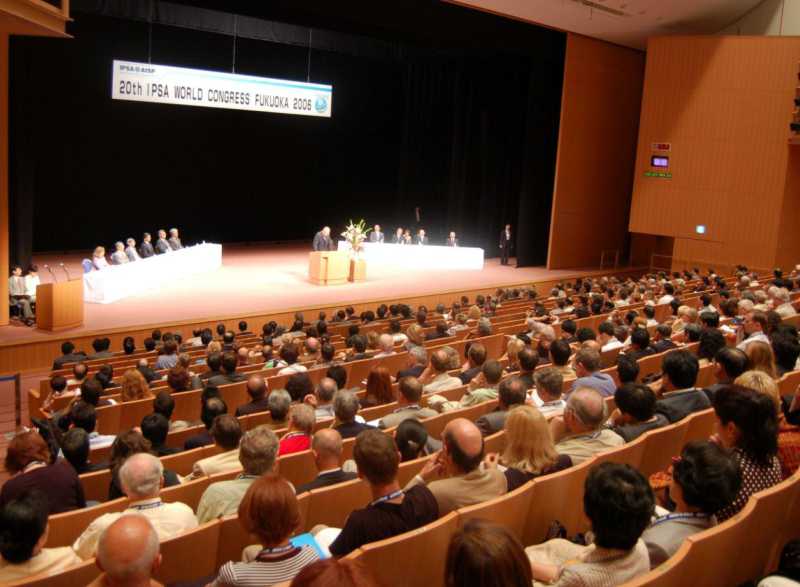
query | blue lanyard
[685, 516]
[391, 496]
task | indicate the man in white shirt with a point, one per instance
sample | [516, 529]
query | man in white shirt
[289, 354]
[435, 377]
[606, 338]
[547, 394]
[130, 250]
[386, 344]
[226, 433]
[783, 306]
[755, 326]
[31, 281]
[668, 294]
[141, 477]
[579, 433]
[17, 292]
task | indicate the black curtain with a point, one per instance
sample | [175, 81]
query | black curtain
[454, 131]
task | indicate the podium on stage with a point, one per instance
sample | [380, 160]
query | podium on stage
[59, 306]
[328, 267]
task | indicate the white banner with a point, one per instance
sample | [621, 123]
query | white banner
[163, 84]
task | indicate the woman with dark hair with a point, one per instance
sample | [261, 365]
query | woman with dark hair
[412, 440]
[705, 479]
[711, 341]
[379, 388]
[31, 465]
[179, 379]
[299, 386]
[128, 345]
[482, 554]
[747, 424]
[268, 511]
[126, 444]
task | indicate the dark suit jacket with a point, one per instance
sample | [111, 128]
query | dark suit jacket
[637, 354]
[451, 242]
[225, 378]
[422, 241]
[679, 404]
[376, 237]
[198, 440]
[210, 374]
[663, 345]
[325, 480]
[148, 374]
[414, 371]
[469, 374]
[162, 246]
[322, 242]
[492, 422]
[504, 242]
[352, 429]
[146, 250]
[70, 358]
[164, 450]
[252, 407]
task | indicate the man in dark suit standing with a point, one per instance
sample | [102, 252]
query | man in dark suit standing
[162, 245]
[398, 239]
[322, 240]
[376, 236]
[505, 244]
[326, 446]
[146, 248]
[421, 238]
[451, 241]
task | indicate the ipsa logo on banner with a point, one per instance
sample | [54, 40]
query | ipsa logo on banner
[321, 104]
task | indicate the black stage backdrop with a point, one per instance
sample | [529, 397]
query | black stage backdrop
[456, 124]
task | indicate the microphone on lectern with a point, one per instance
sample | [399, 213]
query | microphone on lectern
[55, 279]
[64, 267]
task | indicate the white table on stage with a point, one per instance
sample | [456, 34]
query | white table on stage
[121, 281]
[419, 256]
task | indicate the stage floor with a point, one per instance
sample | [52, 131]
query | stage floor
[267, 279]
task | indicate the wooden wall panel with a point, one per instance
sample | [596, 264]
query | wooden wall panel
[724, 104]
[788, 254]
[3, 178]
[597, 140]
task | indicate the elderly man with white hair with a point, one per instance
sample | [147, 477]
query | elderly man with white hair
[782, 304]
[386, 345]
[128, 554]
[119, 257]
[174, 240]
[130, 250]
[141, 477]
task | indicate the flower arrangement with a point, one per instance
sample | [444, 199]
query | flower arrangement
[355, 234]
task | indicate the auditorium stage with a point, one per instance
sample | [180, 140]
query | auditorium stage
[260, 280]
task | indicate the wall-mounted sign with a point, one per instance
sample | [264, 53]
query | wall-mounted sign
[661, 146]
[659, 161]
[661, 174]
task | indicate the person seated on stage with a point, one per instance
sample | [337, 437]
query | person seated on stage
[407, 238]
[421, 238]
[451, 241]
[99, 258]
[146, 248]
[31, 281]
[162, 245]
[322, 240]
[119, 257]
[212, 407]
[130, 250]
[174, 240]
[376, 236]
[398, 239]
[23, 536]
[18, 294]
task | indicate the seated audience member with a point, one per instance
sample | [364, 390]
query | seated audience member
[229, 373]
[279, 402]
[301, 424]
[511, 393]
[179, 380]
[75, 447]
[327, 355]
[568, 331]
[23, 536]
[212, 407]
[128, 553]
[786, 348]
[560, 353]
[636, 411]
[169, 355]
[415, 336]
[760, 358]
[359, 345]
[322, 399]
[747, 424]
[482, 554]
[392, 511]
[547, 396]
[101, 348]
[257, 390]
[587, 367]
[705, 479]
[141, 477]
[456, 476]
[417, 361]
[413, 441]
[214, 363]
[134, 386]
[83, 415]
[258, 453]
[606, 338]
[483, 388]
[290, 355]
[640, 344]
[579, 433]
[299, 386]
[29, 462]
[729, 363]
[127, 443]
[155, 428]
[345, 407]
[754, 326]
[619, 503]
[783, 305]
[386, 345]
[513, 348]
[408, 403]
[436, 378]
[226, 433]
[711, 342]
[91, 392]
[80, 372]
[476, 357]
[627, 369]
[379, 388]
[164, 404]
[529, 450]
[528, 361]
[663, 339]
[326, 446]
[68, 355]
[148, 373]
[679, 396]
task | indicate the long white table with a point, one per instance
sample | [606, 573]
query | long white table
[420, 256]
[116, 282]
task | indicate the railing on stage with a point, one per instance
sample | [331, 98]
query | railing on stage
[419, 256]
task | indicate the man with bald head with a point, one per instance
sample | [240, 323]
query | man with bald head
[128, 554]
[311, 346]
[435, 378]
[326, 446]
[257, 390]
[141, 477]
[580, 433]
[322, 398]
[456, 476]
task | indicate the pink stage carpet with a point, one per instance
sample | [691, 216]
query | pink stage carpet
[267, 279]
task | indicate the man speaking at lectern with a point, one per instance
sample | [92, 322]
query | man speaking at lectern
[322, 240]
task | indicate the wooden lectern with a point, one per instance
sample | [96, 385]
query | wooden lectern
[59, 306]
[328, 267]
